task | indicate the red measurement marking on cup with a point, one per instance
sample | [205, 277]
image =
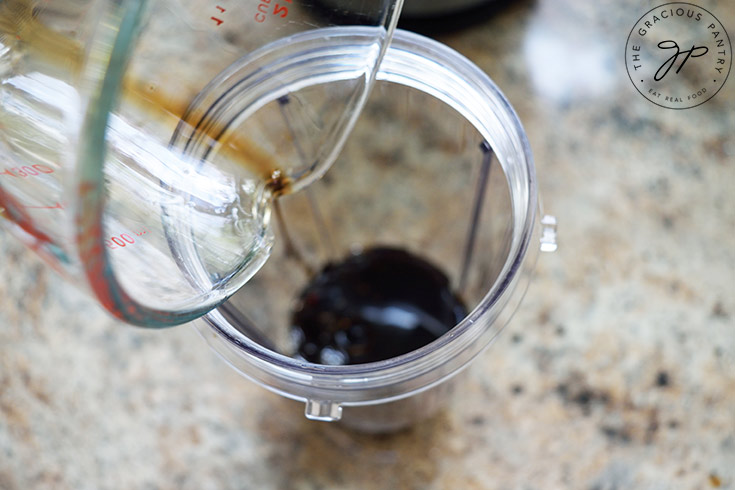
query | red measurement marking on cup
[58, 205]
[27, 171]
[278, 9]
[216, 19]
[123, 240]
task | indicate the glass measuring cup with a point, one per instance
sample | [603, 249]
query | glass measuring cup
[139, 154]
[438, 165]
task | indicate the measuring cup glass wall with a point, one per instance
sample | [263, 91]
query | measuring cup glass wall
[142, 142]
[438, 165]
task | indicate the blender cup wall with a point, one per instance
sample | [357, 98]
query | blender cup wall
[437, 165]
[140, 152]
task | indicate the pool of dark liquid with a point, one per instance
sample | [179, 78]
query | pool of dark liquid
[373, 306]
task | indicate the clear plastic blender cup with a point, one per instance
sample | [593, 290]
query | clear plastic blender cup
[143, 142]
[438, 165]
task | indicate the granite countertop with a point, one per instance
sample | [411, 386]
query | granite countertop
[618, 371]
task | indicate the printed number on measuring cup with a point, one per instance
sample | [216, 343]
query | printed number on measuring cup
[123, 240]
[120, 241]
[27, 171]
[264, 8]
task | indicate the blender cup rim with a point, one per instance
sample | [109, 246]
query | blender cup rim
[458, 344]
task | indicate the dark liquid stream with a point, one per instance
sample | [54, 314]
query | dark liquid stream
[373, 306]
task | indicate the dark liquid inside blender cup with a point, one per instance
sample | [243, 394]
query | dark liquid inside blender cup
[372, 306]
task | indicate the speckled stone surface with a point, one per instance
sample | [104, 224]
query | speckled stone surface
[618, 372]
